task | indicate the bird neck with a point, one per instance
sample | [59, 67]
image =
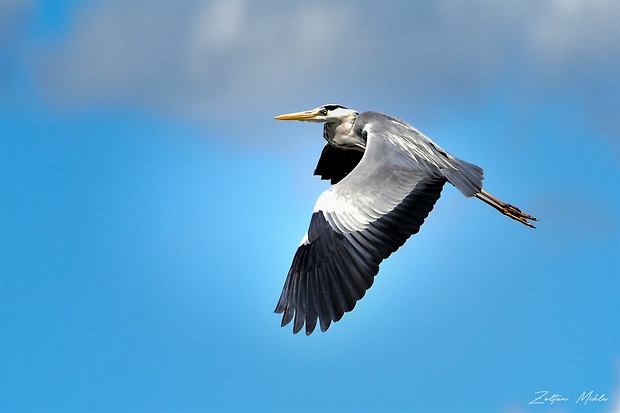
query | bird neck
[340, 133]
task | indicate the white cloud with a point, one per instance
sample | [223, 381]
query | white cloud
[573, 30]
[192, 56]
[11, 14]
[206, 59]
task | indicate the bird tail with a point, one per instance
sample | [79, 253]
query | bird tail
[466, 177]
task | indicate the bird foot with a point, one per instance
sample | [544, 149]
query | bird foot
[507, 209]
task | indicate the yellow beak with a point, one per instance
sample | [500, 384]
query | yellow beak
[307, 115]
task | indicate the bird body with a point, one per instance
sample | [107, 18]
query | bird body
[378, 200]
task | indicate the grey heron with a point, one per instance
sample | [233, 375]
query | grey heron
[386, 177]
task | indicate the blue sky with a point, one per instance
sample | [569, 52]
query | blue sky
[150, 205]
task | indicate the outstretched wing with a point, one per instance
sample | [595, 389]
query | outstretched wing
[336, 163]
[355, 225]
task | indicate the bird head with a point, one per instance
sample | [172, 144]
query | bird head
[323, 114]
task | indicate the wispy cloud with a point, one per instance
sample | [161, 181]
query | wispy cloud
[13, 17]
[193, 57]
[205, 59]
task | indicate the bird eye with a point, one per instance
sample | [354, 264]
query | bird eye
[323, 112]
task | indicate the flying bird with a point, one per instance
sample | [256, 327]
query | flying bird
[386, 177]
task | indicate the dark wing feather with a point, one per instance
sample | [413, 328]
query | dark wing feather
[336, 163]
[332, 270]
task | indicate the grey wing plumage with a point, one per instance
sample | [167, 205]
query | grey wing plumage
[355, 225]
[332, 270]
